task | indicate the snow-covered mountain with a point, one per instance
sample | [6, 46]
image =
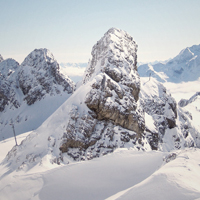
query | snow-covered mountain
[106, 112]
[30, 92]
[184, 67]
[112, 121]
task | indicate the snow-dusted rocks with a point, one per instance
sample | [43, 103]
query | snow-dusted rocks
[37, 78]
[115, 94]
[160, 110]
[167, 125]
[112, 100]
[189, 120]
[40, 75]
[8, 81]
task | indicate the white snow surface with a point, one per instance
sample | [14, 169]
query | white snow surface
[124, 174]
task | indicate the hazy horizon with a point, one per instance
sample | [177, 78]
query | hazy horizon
[69, 29]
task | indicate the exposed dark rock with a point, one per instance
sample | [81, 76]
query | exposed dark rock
[112, 100]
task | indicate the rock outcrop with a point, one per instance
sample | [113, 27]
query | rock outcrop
[39, 75]
[158, 104]
[37, 78]
[8, 81]
[112, 99]
[167, 125]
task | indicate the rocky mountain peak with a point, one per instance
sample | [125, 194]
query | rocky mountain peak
[39, 58]
[115, 51]
[40, 75]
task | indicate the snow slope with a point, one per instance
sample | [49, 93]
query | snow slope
[124, 174]
[178, 179]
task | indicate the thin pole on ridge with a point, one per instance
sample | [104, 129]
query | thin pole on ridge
[14, 133]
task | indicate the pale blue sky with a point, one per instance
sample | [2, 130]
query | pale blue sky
[69, 29]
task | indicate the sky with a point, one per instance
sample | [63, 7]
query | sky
[69, 29]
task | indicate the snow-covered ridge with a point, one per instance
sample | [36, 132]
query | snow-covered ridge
[184, 67]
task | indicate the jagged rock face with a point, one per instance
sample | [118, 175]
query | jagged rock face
[1, 58]
[22, 88]
[37, 76]
[40, 74]
[8, 79]
[112, 100]
[159, 104]
[170, 126]
[114, 96]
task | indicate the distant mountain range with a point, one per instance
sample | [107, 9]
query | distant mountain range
[182, 68]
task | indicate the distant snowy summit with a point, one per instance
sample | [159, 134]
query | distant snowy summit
[37, 78]
[184, 67]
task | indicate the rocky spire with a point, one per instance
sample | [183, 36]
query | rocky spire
[113, 100]
[114, 96]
